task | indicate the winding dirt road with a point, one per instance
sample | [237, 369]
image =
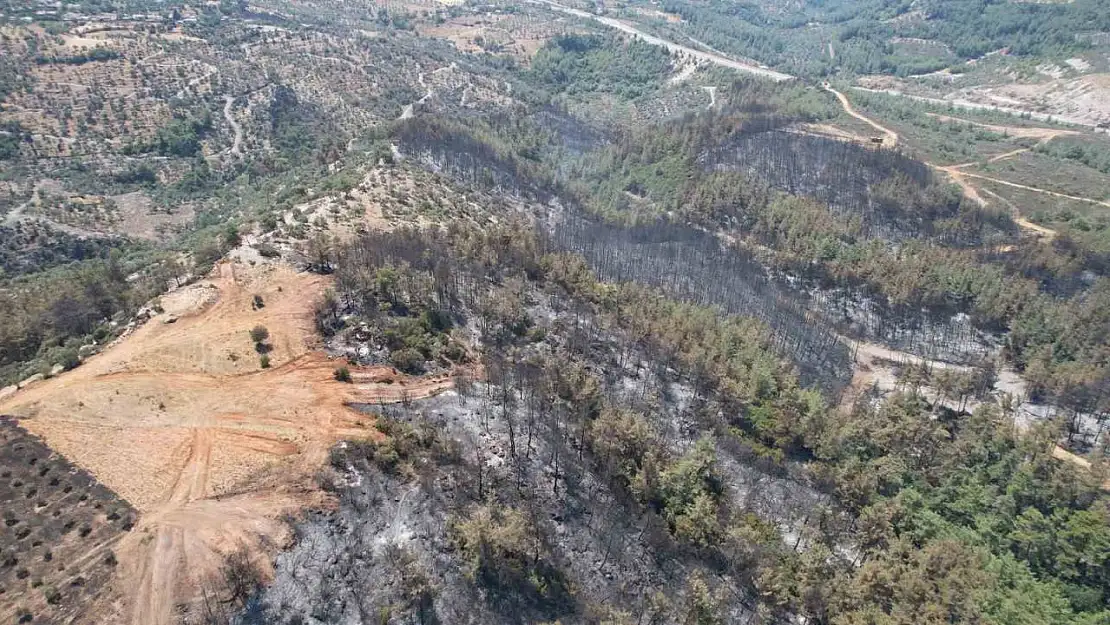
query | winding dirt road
[409, 110]
[19, 214]
[890, 138]
[959, 176]
[229, 101]
[868, 369]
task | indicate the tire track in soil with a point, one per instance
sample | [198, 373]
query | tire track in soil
[211, 451]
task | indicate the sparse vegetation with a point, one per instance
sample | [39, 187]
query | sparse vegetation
[38, 537]
[719, 355]
[259, 335]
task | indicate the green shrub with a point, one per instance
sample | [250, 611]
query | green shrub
[259, 334]
[408, 360]
[343, 374]
[52, 595]
[267, 250]
[68, 359]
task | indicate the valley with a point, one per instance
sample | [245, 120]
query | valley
[427, 312]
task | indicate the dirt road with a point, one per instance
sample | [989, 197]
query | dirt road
[409, 110]
[867, 370]
[19, 213]
[890, 138]
[229, 101]
[871, 368]
[1023, 132]
[1037, 190]
[180, 420]
[712, 57]
[959, 177]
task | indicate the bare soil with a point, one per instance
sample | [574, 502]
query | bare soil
[213, 450]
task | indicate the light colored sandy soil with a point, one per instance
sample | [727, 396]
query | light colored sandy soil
[1082, 101]
[180, 420]
[834, 132]
[1023, 132]
[868, 368]
[515, 34]
[137, 217]
[872, 368]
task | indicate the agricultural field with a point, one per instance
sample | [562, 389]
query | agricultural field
[61, 529]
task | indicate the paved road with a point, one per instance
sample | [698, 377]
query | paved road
[711, 57]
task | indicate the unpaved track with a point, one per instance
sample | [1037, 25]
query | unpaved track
[970, 192]
[975, 106]
[890, 138]
[180, 420]
[1044, 191]
[959, 177]
[229, 102]
[864, 373]
[712, 96]
[409, 110]
[1022, 132]
[869, 370]
[18, 214]
[1022, 222]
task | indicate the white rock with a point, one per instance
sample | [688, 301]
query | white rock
[32, 380]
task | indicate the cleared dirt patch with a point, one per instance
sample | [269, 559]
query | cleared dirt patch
[138, 217]
[1023, 132]
[182, 420]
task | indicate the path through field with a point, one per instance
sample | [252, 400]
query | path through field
[19, 214]
[959, 177]
[409, 110]
[180, 419]
[872, 368]
[890, 138]
[975, 106]
[867, 369]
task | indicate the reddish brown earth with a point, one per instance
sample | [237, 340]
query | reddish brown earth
[180, 420]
